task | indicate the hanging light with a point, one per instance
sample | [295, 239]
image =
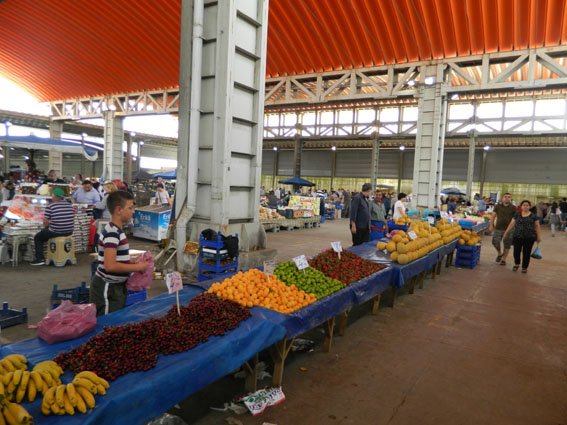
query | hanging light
[429, 81]
[402, 148]
[487, 148]
[275, 148]
[334, 148]
[411, 83]
[455, 96]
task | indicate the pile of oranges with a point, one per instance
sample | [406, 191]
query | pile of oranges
[253, 288]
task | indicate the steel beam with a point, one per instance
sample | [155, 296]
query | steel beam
[374, 167]
[470, 168]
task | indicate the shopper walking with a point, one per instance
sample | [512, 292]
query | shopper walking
[346, 203]
[563, 208]
[360, 216]
[526, 229]
[399, 207]
[378, 225]
[501, 217]
[554, 216]
[58, 220]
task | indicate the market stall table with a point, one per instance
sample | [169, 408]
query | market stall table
[139, 397]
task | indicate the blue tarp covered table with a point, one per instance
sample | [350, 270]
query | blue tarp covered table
[481, 226]
[139, 397]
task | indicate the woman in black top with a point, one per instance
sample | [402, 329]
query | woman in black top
[526, 231]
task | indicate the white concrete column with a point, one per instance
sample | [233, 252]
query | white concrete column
[470, 168]
[430, 138]
[55, 161]
[275, 169]
[113, 164]
[221, 115]
[375, 159]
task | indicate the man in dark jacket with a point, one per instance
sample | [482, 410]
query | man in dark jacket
[360, 216]
[346, 202]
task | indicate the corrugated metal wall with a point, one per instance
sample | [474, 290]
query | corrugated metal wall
[533, 166]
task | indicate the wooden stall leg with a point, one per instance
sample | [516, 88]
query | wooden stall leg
[251, 381]
[344, 322]
[439, 265]
[279, 352]
[394, 293]
[329, 329]
[376, 304]
[422, 278]
[412, 284]
[433, 271]
[449, 260]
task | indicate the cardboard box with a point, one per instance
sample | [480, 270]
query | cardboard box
[298, 213]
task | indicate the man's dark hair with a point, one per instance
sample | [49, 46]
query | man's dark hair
[118, 199]
[366, 187]
[507, 193]
[564, 199]
[86, 182]
[160, 185]
[401, 195]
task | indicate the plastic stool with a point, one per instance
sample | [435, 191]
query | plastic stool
[60, 250]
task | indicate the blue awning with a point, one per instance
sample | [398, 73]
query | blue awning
[168, 175]
[39, 143]
[297, 181]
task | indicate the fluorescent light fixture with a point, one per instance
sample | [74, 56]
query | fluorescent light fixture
[275, 148]
[455, 96]
[487, 148]
[429, 81]
[402, 148]
[334, 148]
[26, 157]
[411, 83]
[83, 135]
[141, 143]
[7, 123]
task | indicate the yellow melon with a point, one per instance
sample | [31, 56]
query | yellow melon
[461, 241]
[381, 246]
[402, 248]
[403, 259]
[397, 238]
[391, 247]
[394, 256]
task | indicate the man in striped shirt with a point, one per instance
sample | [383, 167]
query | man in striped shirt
[58, 220]
[108, 287]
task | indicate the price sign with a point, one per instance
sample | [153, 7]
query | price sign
[337, 247]
[386, 252]
[444, 214]
[173, 282]
[269, 267]
[301, 262]
[431, 220]
[412, 235]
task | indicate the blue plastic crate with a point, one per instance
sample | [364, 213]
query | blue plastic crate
[467, 225]
[76, 295]
[466, 264]
[135, 297]
[10, 317]
[393, 226]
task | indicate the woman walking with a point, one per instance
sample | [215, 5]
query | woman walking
[554, 215]
[526, 231]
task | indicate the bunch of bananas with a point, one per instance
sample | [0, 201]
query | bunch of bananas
[12, 413]
[21, 382]
[12, 363]
[64, 399]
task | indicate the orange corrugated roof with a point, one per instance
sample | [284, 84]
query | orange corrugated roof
[60, 49]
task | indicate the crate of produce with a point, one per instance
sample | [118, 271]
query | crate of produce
[467, 224]
[135, 297]
[10, 317]
[77, 295]
[393, 226]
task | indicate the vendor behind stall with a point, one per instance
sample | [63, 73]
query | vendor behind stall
[58, 220]
[86, 195]
[8, 191]
[378, 225]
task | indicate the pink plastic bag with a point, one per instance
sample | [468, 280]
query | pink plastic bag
[138, 281]
[68, 321]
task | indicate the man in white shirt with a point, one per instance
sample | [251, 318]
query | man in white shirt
[278, 193]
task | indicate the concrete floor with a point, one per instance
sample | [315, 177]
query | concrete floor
[482, 346]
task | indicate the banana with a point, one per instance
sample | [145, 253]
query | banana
[49, 397]
[36, 378]
[2, 370]
[100, 390]
[10, 388]
[17, 361]
[51, 364]
[2, 391]
[56, 409]
[18, 357]
[17, 377]
[21, 393]
[2, 420]
[19, 413]
[45, 387]
[7, 378]
[71, 393]
[86, 396]
[68, 406]
[91, 376]
[104, 383]
[46, 410]
[10, 419]
[81, 405]
[60, 390]
[8, 365]
[85, 383]
[46, 377]
[32, 391]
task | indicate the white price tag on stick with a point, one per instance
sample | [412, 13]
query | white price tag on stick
[444, 214]
[301, 262]
[431, 220]
[269, 267]
[174, 283]
[337, 247]
[412, 235]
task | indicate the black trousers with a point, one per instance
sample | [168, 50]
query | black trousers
[523, 251]
[361, 236]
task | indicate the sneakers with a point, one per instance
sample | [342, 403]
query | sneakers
[38, 263]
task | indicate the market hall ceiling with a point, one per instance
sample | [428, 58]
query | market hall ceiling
[62, 49]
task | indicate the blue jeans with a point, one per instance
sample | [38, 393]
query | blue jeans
[564, 220]
[43, 236]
